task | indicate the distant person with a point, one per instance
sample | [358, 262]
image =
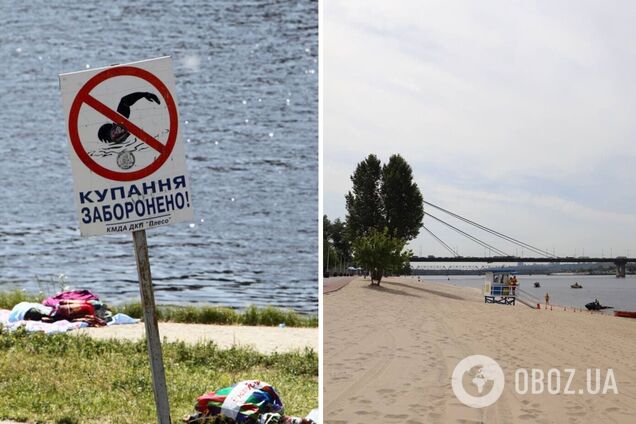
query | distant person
[115, 133]
[547, 300]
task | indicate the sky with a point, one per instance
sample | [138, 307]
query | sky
[518, 115]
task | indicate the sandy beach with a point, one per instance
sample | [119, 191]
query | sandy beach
[262, 339]
[389, 354]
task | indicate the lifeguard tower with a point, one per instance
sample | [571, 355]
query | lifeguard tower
[501, 288]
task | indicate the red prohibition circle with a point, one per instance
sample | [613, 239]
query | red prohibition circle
[83, 95]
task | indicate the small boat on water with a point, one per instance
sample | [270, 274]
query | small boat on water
[625, 314]
[537, 284]
[576, 286]
[596, 306]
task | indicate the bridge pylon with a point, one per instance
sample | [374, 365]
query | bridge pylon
[621, 265]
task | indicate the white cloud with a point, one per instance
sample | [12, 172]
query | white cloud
[490, 99]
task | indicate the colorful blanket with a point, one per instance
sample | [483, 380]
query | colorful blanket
[61, 326]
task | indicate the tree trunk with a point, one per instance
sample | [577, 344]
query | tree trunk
[376, 275]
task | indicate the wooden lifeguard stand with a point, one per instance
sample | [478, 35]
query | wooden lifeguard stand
[501, 288]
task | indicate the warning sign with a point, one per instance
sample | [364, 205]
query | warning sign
[127, 157]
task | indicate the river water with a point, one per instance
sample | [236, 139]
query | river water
[609, 290]
[247, 89]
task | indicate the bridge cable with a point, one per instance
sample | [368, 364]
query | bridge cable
[491, 231]
[475, 239]
[441, 242]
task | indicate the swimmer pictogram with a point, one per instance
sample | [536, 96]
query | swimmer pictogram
[119, 127]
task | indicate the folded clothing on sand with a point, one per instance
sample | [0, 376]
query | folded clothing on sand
[80, 310]
[121, 319]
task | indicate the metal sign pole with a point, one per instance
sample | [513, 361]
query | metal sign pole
[152, 329]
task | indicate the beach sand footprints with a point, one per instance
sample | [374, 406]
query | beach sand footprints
[529, 411]
[394, 354]
[389, 371]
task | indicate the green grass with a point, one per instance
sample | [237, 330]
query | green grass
[77, 379]
[268, 316]
[8, 299]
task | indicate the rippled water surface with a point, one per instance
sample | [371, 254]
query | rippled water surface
[247, 88]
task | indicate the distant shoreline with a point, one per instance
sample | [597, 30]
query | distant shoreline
[483, 272]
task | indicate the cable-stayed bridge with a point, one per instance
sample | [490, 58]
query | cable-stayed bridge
[539, 255]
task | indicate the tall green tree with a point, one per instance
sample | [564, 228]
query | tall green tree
[326, 229]
[402, 200]
[384, 196]
[336, 245]
[378, 252]
[338, 234]
[364, 203]
[328, 255]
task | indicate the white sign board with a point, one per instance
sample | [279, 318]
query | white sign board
[127, 156]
